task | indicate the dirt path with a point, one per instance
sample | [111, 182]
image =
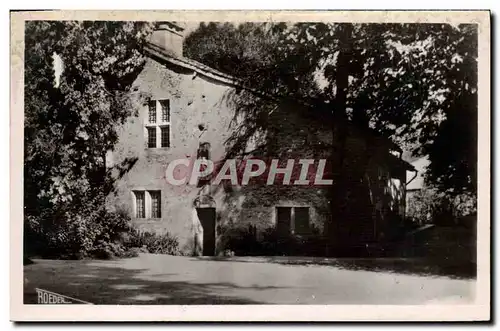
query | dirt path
[161, 279]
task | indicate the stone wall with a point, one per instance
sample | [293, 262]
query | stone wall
[194, 100]
[197, 102]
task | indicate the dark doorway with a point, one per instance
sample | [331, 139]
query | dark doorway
[207, 219]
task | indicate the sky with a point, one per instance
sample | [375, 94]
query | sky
[58, 68]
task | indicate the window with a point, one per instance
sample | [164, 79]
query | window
[293, 220]
[140, 210]
[165, 136]
[301, 220]
[152, 137]
[155, 204]
[165, 111]
[147, 204]
[204, 151]
[283, 220]
[158, 124]
[152, 111]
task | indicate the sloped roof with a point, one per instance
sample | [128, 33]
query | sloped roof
[193, 65]
[211, 73]
[398, 163]
[420, 166]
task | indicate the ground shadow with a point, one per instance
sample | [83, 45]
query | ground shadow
[422, 266]
[104, 283]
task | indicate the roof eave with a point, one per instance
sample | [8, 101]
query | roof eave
[212, 73]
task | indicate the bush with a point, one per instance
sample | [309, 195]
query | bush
[312, 244]
[101, 234]
[70, 235]
[245, 241]
[441, 208]
[239, 240]
[107, 250]
[153, 243]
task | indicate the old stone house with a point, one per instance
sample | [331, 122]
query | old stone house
[186, 112]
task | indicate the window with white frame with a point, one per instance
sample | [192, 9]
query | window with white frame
[158, 124]
[147, 204]
[140, 204]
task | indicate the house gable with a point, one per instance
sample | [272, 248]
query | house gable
[201, 114]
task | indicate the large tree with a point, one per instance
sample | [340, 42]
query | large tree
[412, 83]
[72, 115]
[402, 78]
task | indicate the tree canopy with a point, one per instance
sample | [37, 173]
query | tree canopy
[69, 126]
[413, 83]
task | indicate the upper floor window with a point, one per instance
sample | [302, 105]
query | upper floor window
[165, 111]
[152, 112]
[158, 124]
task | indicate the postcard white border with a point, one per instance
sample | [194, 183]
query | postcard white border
[479, 310]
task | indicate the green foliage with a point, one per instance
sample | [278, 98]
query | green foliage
[240, 239]
[237, 50]
[69, 127]
[108, 250]
[413, 83]
[154, 243]
[74, 233]
[248, 241]
[430, 205]
[452, 145]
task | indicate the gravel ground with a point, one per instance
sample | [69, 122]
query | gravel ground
[162, 279]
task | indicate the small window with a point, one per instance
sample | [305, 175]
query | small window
[158, 124]
[283, 220]
[152, 111]
[165, 136]
[301, 220]
[147, 204]
[204, 151]
[155, 204]
[293, 220]
[165, 111]
[140, 204]
[152, 137]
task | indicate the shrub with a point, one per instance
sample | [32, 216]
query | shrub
[107, 250]
[239, 240]
[312, 244]
[442, 208]
[245, 241]
[70, 235]
[100, 234]
[154, 243]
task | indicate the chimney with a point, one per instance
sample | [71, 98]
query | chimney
[169, 36]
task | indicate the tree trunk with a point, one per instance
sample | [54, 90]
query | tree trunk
[337, 230]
